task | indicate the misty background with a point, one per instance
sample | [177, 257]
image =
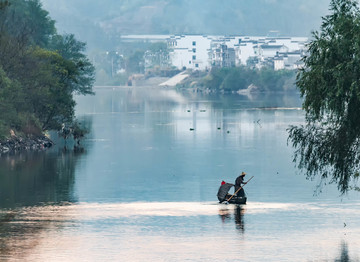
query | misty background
[101, 23]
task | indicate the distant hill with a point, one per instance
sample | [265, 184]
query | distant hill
[99, 22]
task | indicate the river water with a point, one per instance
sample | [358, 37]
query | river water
[143, 186]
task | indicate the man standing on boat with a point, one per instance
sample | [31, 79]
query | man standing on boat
[239, 182]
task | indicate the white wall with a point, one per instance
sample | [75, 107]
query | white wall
[244, 51]
[292, 43]
[182, 54]
[279, 64]
[189, 47]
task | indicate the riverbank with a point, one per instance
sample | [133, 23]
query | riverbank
[241, 80]
[16, 144]
[175, 80]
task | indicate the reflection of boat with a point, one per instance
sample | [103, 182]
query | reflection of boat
[223, 195]
[225, 213]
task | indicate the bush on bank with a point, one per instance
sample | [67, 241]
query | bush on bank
[241, 78]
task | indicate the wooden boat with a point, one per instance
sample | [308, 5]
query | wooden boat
[237, 200]
[224, 196]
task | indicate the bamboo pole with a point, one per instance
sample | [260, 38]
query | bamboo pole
[239, 189]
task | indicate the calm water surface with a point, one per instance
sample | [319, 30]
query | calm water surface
[143, 187]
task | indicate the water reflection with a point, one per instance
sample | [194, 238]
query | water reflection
[237, 212]
[115, 231]
[224, 214]
[256, 100]
[37, 178]
[34, 178]
[239, 218]
[344, 254]
[21, 229]
[149, 182]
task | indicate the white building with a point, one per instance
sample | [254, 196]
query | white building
[288, 60]
[292, 43]
[245, 50]
[279, 63]
[190, 51]
[144, 38]
[201, 52]
[222, 56]
[266, 50]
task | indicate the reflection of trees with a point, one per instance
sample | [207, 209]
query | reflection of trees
[18, 236]
[35, 178]
[30, 183]
[344, 254]
[253, 100]
[23, 229]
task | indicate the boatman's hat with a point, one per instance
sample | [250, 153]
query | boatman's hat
[243, 174]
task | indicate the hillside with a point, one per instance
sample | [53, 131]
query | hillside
[99, 23]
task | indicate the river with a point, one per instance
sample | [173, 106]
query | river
[143, 185]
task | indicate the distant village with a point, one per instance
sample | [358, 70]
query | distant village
[203, 52]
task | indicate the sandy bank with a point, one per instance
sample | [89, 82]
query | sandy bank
[177, 79]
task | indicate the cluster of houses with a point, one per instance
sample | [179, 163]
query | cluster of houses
[202, 52]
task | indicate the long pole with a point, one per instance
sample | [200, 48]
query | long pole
[239, 189]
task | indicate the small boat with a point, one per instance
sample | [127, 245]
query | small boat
[237, 200]
[224, 196]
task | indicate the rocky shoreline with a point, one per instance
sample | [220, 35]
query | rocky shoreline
[16, 144]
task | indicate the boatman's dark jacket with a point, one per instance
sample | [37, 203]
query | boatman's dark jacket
[238, 183]
[223, 191]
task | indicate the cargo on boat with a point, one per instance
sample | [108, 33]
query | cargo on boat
[224, 196]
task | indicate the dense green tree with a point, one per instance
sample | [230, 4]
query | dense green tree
[157, 56]
[80, 77]
[39, 70]
[328, 144]
[3, 4]
[7, 111]
[135, 62]
[29, 21]
[49, 96]
[215, 78]
[237, 78]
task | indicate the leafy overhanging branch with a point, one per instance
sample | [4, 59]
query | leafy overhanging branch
[328, 145]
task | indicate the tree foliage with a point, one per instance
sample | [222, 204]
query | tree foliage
[27, 20]
[237, 78]
[39, 70]
[328, 144]
[80, 77]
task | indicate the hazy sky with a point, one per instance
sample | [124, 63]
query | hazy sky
[93, 19]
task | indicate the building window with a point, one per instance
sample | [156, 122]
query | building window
[196, 65]
[194, 50]
[189, 62]
[194, 57]
[194, 43]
